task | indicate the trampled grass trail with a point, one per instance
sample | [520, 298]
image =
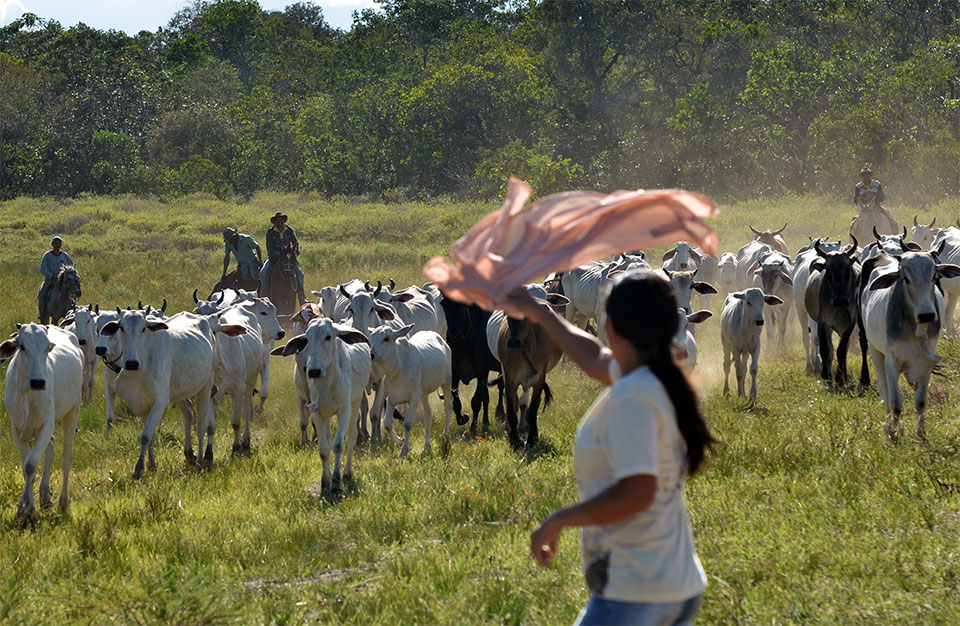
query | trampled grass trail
[805, 514]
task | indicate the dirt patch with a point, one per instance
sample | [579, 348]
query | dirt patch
[329, 576]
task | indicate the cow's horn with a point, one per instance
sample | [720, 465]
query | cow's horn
[755, 231]
[816, 246]
[376, 292]
[782, 228]
[220, 299]
[903, 246]
[119, 312]
[915, 223]
[393, 284]
[904, 231]
[875, 233]
[163, 307]
[343, 292]
[366, 285]
[932, 223]
[853, 249]
[195, 298]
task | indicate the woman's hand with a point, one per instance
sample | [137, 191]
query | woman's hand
[543, 541]
[519, 304]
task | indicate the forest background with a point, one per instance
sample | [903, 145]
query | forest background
[428, 98]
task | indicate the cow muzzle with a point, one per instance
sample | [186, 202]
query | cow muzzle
[38, 383]
[131, 365]
[759, 322]
[280, 335]
[100, 350]
[83, 342]
[314, 373]
[925, 318]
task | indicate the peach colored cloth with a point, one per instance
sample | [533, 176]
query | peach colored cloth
[514, 246]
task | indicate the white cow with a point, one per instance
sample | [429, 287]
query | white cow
[801, 276]
[238, 343]
[43, 388]
[682, 257]
[684, 345]
[301, 320]
[774, 276]
[740, 324]
[727, 274]
[748, 259]
[948, 243]
[337, 362]
[708, 272]
[583, 285]
[80, 321]
[901, 311]
[166, 363]
[413, 368]
[924, 234]
[332, 301]
[270, 332]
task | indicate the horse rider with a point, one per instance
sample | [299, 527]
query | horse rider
[868, 191]
[50, 266]
[279, 236]
[247, 252]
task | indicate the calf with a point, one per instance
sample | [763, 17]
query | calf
[901, 312]
[471, 357]
[413, 368]
[80, 321]
[831, 301]
[165, 363]
[740, 324]
[727, 274]
[337, 368]
[684, 345]
[684, 285]
[238, 344]
[43, 388]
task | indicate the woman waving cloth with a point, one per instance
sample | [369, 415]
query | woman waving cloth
[643, 435]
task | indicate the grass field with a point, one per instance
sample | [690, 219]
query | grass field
[806, 513]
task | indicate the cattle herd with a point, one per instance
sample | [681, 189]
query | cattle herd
[372, 355]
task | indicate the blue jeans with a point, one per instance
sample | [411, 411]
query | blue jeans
[602, 612]
[265, 278]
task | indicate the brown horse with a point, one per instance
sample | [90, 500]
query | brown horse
[283, 282]
[61, 296]
[233, 281]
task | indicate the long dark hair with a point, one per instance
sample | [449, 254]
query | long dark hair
[643, 310]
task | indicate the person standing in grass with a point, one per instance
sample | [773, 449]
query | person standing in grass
[632, 452]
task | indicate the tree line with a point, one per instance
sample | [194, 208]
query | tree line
[451, 97]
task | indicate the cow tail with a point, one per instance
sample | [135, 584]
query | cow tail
[547, 395]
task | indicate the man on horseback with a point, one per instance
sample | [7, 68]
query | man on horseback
[280, 236]
[867, 196]
[50, 266]
[868, 191]
[247, 252]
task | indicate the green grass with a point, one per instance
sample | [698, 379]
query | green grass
[806, 514]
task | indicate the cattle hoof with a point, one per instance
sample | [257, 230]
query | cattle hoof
[237, 450]
[462, 420]
[190, 456]
[138, 473]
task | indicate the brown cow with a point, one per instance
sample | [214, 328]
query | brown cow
[772, 238]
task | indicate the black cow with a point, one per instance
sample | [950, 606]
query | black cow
[466, 336]
[831, 299]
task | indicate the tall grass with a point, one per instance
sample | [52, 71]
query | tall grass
[806, 513]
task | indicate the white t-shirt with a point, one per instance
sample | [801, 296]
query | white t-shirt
[649, 557]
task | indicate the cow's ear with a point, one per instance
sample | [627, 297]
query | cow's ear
[702, 287]
[294, 346]
[109, 329]
[66, 321]
[696, 255]
[772, 300]
[402, 297]
[885, 280]
[233, 330]
[351, 335]
[155, 326]
[913, 246]
[785, 277]
[8, 348]
[818, 266]
[699, 317]
[400, 332]
[558, 299]
[739, 295]
[316, 293]
[386, 313]
[669, 254]
[948, 270]
[758, 271]
[802, 250]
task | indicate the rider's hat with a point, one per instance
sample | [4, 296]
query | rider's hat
[278, 216]
[229, 231]
[56, 238]
[867, 171]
